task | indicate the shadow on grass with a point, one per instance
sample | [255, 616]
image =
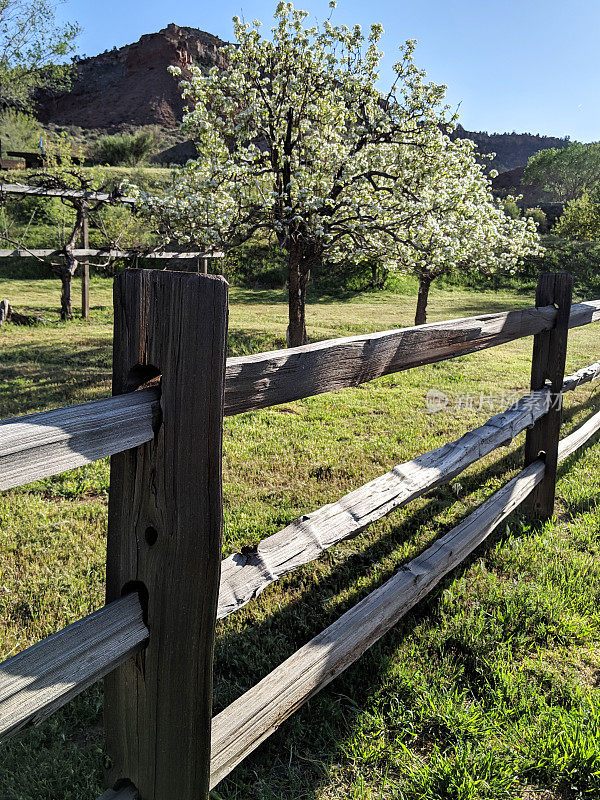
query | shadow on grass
[295, 762]
[320, 728]
[39, 376]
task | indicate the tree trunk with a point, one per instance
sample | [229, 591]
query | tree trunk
[298, 283]
[421, 315]
[66, 311]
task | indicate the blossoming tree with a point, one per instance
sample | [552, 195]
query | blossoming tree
[295, 140]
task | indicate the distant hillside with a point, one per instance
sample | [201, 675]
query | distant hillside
[512, 149]
[131, 86]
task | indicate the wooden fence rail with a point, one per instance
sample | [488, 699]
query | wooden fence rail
[246, 575]
[281, 376]
[87, 432]
[166, 585]
[248, 721]
[41, 679]
[48, 443]
[110, 252]
[74, 194]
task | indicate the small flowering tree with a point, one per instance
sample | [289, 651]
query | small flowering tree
[294, 139]
[457, 224]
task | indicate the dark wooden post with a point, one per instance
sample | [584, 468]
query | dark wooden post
[548, 369]
[85, 270]
[165, 529]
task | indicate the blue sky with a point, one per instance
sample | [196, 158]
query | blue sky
[523, 65]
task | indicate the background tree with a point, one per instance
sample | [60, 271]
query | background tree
[115, 227]
[32, 50]
[294, 139]
[566, 172]
[18, 131]
[457, 226]
[580, 219]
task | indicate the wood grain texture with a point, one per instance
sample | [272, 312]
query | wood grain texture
[579, 437]
[281, 376]
[165, 531]
[584, 313]
[38, 445]
[42, 678]
[248, 721]
[245, 575]
[583, 375]
[548, 369]
[55, 441]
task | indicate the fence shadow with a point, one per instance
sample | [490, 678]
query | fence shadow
[238, 667]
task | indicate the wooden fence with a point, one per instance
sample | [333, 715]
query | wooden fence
[166, 584]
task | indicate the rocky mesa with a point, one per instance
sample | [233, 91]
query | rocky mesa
[131, 85]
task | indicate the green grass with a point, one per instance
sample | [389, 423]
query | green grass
[487, 690]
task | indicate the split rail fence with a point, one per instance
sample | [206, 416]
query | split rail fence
[166, 583]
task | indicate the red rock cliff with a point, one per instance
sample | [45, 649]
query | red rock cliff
[131, 85]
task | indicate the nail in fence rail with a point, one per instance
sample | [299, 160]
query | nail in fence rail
[165, 531]
[548, 370]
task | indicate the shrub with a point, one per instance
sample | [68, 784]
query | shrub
[511, 209]
[580, 258]
[580, 219]
[539, 217]
[127, 149]
[18, 131]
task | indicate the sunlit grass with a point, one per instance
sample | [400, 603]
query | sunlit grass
[487, 688]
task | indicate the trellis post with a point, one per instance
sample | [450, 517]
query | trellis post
[85, 268]
[165, 530]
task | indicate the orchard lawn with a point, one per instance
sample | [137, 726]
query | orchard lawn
[488, 689]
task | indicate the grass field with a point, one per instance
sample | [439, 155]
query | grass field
[489, 689]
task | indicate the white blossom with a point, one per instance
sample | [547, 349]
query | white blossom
[294, 139]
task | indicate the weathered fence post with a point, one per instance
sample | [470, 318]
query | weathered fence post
[548, 368]
[164, 531]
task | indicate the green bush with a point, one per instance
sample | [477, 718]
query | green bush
[511, 209]
[129, 149]
[580, 219]
[539, 217]
[581, 259]
[18, 131]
